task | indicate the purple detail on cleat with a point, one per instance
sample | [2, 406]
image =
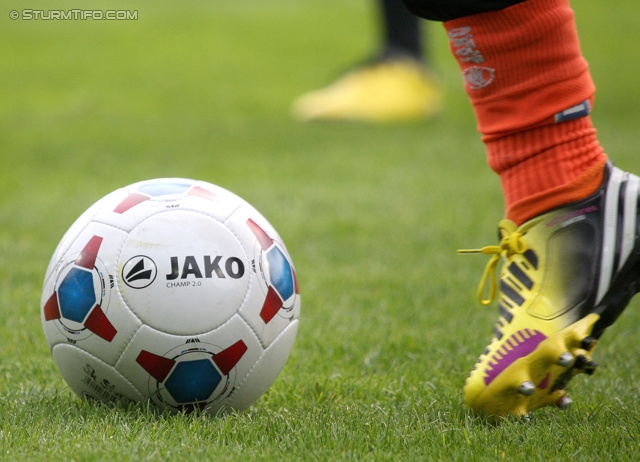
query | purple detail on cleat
[522, 343]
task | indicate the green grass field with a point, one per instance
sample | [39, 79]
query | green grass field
[372, 217]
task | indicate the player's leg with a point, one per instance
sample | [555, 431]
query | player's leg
[395, 85]
[401, 32]
[570, 238]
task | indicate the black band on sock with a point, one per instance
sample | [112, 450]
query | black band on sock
[446, 10]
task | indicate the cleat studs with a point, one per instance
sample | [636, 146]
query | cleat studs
[588, 343]
[565, 359]
[564, 403]
[527, 388]
[581, 362]
[590, 367]
[585, 365]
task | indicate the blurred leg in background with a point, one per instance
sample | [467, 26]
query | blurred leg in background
[395, 85]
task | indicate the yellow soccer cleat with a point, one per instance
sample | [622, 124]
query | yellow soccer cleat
[390, 90]
[566, 276]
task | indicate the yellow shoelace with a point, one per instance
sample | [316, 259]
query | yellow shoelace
[510, 244]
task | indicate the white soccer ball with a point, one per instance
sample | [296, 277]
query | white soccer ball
[174, 291]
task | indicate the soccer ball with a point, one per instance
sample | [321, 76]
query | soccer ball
[172, 291]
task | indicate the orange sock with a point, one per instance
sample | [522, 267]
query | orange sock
[532, 93]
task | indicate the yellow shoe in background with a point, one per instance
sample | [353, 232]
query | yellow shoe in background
[390, 90]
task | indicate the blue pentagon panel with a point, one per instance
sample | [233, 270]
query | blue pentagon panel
[193, 381]
[164, 189]
[280, 273]
[76, 294]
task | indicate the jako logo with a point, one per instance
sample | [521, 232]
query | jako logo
[478, 77]
[139, 272]
[233, 267]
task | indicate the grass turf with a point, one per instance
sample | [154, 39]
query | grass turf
[371, 215]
